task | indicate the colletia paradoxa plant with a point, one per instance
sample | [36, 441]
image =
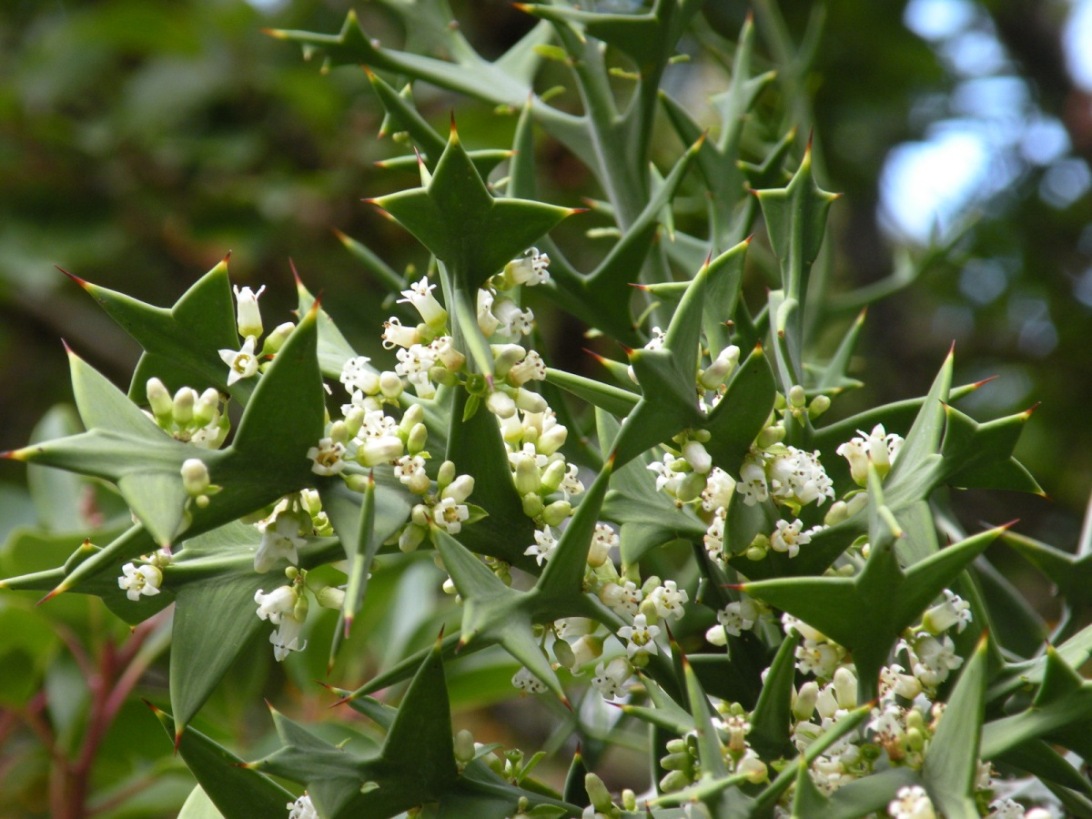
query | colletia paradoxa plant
[772, 605]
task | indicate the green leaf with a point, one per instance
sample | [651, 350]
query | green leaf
[236, 791]
[214, 620]
[951, 759]
[186, 337]
[463, 225]
[980, 455]
[772, 716]
[476, 448]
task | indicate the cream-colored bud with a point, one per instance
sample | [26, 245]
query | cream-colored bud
[532, 504]
[530, 401]
[445, 475]
[159, 399]
[417, 439]
[806, 698]
[556, 513]
[797, 397]
[501, 404]
[184, 401]
[249, 317]
[276, 338]
[207, 408]
[195, 477]
[390, 384]
[460, 489]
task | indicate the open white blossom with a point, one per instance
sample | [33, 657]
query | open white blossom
[640, 637]
[911, 802]
[328, 457]
[611, 677]
[242, 363]
[302, 809]
[420, 296]
[140, 580]
[527, 682]
[544, 546]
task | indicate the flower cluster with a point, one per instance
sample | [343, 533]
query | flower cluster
[188, 416]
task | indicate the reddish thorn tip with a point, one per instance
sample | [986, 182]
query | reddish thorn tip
[984, 381]
[81, 282]
[226, 259]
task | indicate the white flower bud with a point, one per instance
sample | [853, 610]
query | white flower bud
[195, 477]
[504, 356]
[459, 489]
[184, 401]
[390, 384]
[207, 408]
[381, 450]
[249, 317]
[159, 399]
[276, 338]
[500, 404]
[530, 401]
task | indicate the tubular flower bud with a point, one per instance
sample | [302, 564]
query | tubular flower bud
[159, 399]
[249, 317]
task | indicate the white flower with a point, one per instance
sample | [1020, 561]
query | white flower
[140, 580]
[302, 809]
[721, 368]
[911, 802]
[487, 322]
[525, 681]
[449, 515]
[327, 457]
[249, 317]
[798, 477]
[954, 611]
[286, 638]
[877, 448]
[242, 363]
[1006, 809]
[668, 600]
[511, 320]
[544, 547]
[934, 659]
[603, 540]
[397, 334]
[894, 681]
[719, 488]
[788, 537]
[356, 374]
[529, 269]
[640, 636]
[714, 535]
[571, 485]
[752, 481]
[277, 604]
[286, 608]
[420, 296]
[624, 599]
[610, 678]
[738, 616]
[280, 541]
[818, 657]
[531, 368]
[410, 470]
